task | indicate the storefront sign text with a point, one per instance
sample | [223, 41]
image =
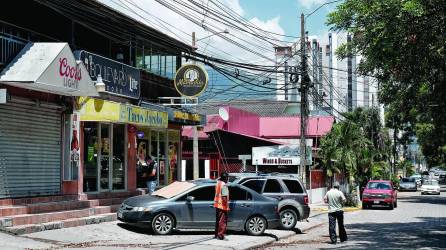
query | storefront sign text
[119, 79]
[141, 116]
[186, 116]
[71, 74]
[191, 80]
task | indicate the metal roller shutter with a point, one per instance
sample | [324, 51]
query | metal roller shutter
[30, 149]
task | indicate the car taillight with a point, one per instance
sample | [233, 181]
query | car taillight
[306, 199]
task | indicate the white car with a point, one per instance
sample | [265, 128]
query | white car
[430, 187]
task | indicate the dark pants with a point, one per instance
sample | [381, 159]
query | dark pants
[332, 217]
[221, 220]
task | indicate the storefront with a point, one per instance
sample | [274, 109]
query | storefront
[110, 145]
[32, 124]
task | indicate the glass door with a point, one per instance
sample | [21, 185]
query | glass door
[118, 149]
[105, 157]
[90, 154]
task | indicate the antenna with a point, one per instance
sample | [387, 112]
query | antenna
[223, 113]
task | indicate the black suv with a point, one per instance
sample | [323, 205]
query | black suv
[292, 196]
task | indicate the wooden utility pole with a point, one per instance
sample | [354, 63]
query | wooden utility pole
[303, 102]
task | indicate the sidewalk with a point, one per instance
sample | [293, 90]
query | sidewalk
[323, 208]
[110, 235]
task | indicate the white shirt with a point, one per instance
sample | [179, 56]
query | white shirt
[335, 199]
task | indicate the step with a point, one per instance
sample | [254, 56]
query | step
[32, 200]
[12, 210]
[75, 222]
[47, 207]
[24, 219]
[110, 195]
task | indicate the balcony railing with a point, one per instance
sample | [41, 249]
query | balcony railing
[10, 46]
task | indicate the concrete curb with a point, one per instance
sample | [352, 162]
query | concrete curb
[291, 233]
[346, 209]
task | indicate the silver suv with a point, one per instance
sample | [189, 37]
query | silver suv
[292, 195]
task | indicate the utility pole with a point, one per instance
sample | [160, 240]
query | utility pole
[286, 80]
[303, 102]
[196, 164]
[330, 71]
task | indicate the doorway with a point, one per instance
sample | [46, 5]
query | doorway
[105, 159]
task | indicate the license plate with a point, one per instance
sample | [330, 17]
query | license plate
[375, 202]
[120, 214]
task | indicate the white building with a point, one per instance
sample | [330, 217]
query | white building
[338, 87]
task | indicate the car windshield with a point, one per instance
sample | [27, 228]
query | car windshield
[407, 180]
[378, 185]
[431, 182]
[173, 189]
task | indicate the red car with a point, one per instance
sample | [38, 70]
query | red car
[379, 192]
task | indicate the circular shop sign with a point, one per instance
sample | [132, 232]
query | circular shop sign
[191, 80]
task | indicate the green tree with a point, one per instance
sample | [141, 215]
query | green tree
[403, 45]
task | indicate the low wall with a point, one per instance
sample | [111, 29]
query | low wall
[316, 195]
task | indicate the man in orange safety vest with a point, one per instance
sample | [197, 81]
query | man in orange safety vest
[221, 204]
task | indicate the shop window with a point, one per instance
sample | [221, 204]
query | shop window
[118, 175]
[90, 155]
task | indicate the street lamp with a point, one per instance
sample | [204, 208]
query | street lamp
[194, 40]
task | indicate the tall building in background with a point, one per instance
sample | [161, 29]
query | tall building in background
[287, 65]
[337, 85]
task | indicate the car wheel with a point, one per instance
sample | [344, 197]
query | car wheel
[396, 204]
[162, 224]
[391, 206]
[365, 206]
[255, 225]
[288, 219]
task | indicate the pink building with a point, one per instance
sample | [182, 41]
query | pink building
[222, 141]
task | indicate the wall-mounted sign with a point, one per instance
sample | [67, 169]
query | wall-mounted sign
[51, 68]
[3, 96]
[191, 80]
[142, 116]
[186, 116]
[279, 155]
[119, 79]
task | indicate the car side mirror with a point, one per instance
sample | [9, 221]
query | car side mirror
[190, 198]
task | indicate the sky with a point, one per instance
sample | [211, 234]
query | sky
[281, 17]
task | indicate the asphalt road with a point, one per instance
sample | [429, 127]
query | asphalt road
[419, 222]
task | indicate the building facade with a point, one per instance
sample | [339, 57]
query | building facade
[82, 83]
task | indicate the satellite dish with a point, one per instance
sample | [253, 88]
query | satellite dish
[223, 113]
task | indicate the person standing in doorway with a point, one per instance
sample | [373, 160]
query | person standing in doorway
[335, 199]
[221, 204]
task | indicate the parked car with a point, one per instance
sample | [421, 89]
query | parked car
[417, 178]
[430, 187]
[292, 195]
[379, 192]
[408, 184]
[189, 204]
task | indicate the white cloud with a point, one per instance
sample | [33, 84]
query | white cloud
[183, 28]
[308, 4]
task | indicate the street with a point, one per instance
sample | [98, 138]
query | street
[418, 222]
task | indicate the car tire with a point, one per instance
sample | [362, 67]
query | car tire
[162, 224]
[288, 219]
[391, 206]
[395, 204]
[365, 206]
[255, 225]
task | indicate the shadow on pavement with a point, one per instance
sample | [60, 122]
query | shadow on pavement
[148, 231]
[431, 199]
[430, 232]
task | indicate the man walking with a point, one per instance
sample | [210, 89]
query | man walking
[221, 204]
[335, 199]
